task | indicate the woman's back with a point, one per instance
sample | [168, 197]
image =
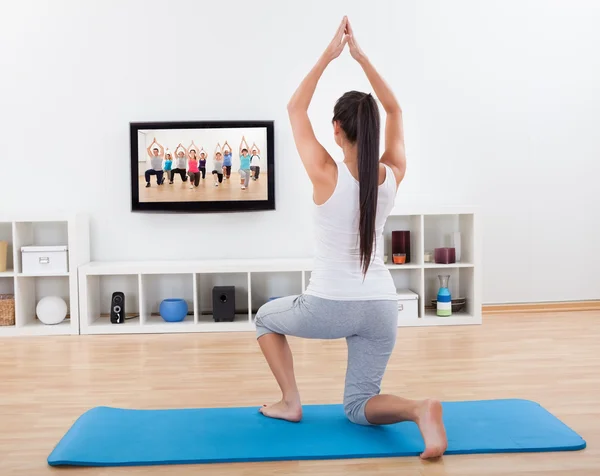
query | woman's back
[337, 272]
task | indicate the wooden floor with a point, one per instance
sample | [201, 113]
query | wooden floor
[554, 359]
[206, 191]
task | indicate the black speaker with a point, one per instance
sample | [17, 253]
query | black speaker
[224, 303]
[117, 308]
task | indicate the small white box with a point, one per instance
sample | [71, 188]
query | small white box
[44, 259]
[408, 305]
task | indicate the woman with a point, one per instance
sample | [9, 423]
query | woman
[180, 165]
[227, 160]
[202, 163]
[201, 159]
[193, 170]
[351, 292]
[167, 166]
[218, 166]
[244, 164]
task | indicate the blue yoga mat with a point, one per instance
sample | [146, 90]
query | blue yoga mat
[116, 437]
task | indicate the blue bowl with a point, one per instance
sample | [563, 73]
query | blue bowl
[173, 310]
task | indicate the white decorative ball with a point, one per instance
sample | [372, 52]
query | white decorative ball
[51, 310]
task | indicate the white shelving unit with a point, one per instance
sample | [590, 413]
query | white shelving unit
[145, 284]
[434, 229]
[70, 230]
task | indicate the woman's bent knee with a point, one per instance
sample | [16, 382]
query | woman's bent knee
[262, 328]
[272, 316]
[355, 411]
[264, 322]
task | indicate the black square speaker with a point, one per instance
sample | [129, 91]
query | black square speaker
[224, 303]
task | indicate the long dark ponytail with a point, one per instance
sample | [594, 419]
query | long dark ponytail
[358, 116]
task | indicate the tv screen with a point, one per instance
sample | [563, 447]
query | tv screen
[202, 166]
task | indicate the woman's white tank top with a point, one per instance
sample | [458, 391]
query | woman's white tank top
[337, 272]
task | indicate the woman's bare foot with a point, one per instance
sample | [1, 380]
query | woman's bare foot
[283, 411]
[432, 429]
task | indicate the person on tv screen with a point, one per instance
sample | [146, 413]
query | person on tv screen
[167, 166]
[193, 170]
[244, 164]
[227, 160]
[157, 154]
[180, 165]
[202, 163]
[255, 162]
[218, 166]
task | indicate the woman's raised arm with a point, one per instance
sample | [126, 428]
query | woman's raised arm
[313, 155]
[394, 154]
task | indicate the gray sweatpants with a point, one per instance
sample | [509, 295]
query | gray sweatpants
[245, 174]
[369, 328]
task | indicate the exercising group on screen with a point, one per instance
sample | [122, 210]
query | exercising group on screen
[191, 162]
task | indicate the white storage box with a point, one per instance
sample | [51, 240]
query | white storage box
[408, 305]
[44, 259]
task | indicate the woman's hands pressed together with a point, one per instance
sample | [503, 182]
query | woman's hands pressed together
[343, 36]
[355, 50]
[335, 48]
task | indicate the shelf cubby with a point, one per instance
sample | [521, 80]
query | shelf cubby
[6, 234]
[271, 284]
[38, 233]
[439, 230]
[156, 287]
[461, 285]
[205, 282]
[411, 279]
[7, 285]
[97, 302]
[412, 223]
[30, 290]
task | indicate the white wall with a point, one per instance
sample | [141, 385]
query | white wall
[501, 104]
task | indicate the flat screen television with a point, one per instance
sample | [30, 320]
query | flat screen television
[202, 166]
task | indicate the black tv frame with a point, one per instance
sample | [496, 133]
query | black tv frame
[202, 207]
